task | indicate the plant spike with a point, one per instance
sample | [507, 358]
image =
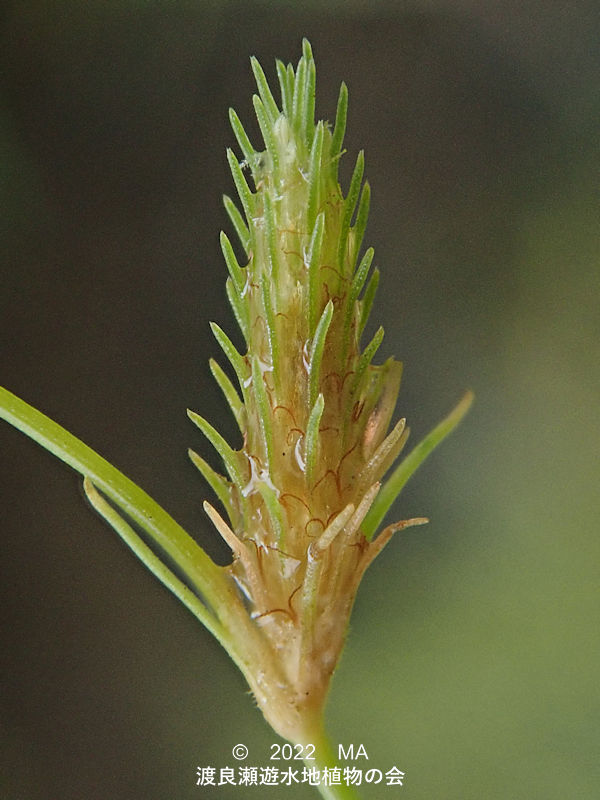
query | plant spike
[308, 489]
[318, 410]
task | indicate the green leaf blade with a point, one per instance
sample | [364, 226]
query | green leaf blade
[396, 482]
[133, 501]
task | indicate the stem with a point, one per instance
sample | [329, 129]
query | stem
[324, 757]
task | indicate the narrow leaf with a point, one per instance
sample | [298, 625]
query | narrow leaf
[398, 479]
[170, 537]
[307, 50]
[239, 549]
[190, 600]
[360, 276]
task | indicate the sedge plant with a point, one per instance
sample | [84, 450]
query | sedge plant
[301, 504]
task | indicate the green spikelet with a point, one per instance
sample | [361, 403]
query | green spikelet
[317, 411]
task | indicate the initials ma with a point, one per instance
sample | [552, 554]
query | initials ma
[352, 752]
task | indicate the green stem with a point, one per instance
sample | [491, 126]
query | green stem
[324, 758]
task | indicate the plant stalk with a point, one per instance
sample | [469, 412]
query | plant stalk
[325, 758]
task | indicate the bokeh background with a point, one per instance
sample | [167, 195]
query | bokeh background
[472, 661]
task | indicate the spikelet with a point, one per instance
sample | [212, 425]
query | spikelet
[315, 412]
[305, 495]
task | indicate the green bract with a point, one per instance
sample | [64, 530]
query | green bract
[302, 500]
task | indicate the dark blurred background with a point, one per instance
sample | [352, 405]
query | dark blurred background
[472, 661]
